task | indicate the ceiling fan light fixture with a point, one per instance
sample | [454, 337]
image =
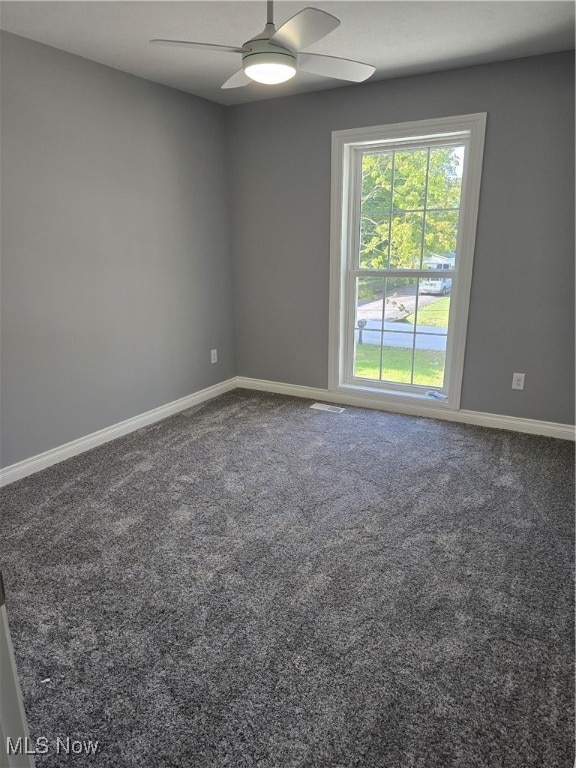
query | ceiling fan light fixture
[269, 67]
[270, 74]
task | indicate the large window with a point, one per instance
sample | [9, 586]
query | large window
[405, 201]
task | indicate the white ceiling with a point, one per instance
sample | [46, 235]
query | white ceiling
[398, 37]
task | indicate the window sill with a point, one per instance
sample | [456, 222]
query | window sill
[391, 396]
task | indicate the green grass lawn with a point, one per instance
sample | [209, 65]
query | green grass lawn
[396, 364]
[435, 314]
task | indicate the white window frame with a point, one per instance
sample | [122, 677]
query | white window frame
[467, 130]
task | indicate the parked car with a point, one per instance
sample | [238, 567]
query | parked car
[436, 285]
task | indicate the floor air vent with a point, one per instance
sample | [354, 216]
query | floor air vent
[324, 407]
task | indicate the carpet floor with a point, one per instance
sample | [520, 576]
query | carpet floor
[255, 584]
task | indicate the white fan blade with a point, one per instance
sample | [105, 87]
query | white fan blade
[237, 80]
[203, 46]
[303, 29]
[332, 66]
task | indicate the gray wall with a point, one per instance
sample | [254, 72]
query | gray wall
[116, 277]
[522, 307]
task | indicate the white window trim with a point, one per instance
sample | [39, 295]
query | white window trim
[343, 144]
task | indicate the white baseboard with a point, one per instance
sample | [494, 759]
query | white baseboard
[428, 409]
[62, 452]
[364, 400]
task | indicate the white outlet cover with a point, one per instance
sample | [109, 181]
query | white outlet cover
[518, 381]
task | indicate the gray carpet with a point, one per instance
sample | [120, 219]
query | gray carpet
[255, 584]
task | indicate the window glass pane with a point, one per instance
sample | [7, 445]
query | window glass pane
[375, 210]
[369, 297]
[400, 302]
[374, 240]
[429, 360]
[410, 179]
[397, 358]
[367, 356]
[368, 326]
[406, 241]
[440, 239]
[400, 329]
[445, 177]
[433, 307]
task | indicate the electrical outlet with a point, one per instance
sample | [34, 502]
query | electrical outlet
[213, 355]
[518, 381]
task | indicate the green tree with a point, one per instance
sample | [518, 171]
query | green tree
[396, 186]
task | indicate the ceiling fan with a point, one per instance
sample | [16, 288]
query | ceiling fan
[274, 55]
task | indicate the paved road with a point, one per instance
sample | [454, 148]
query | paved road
[395, 338]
